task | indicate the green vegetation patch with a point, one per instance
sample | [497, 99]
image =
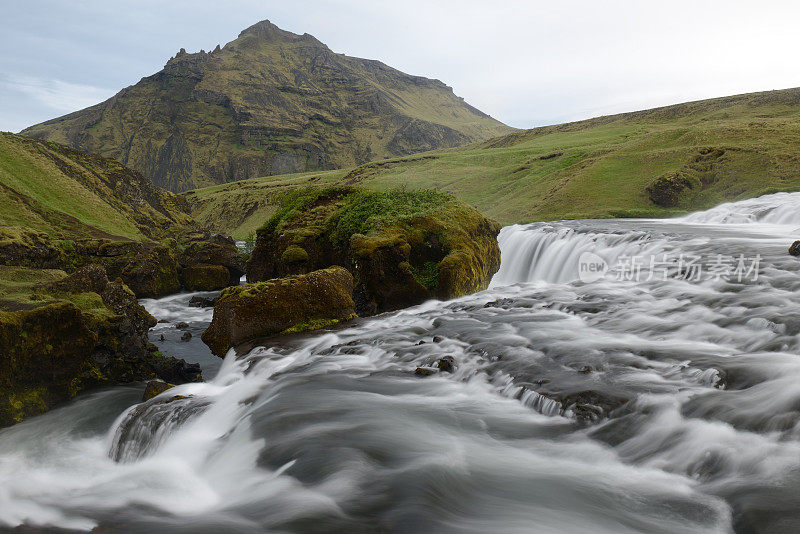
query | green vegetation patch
[345, 211]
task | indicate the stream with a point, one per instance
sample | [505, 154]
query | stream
[619, 376]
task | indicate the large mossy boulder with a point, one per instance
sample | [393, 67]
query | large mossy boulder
[402, 247]
[60, 335]
[283, 305]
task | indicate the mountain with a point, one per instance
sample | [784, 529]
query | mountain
[651, 163]
[269, 102]
[64, 193]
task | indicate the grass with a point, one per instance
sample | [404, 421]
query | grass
[21, 288]
[351, 210]
[67, 194]
[598, 168]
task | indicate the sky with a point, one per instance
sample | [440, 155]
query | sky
[526, 63]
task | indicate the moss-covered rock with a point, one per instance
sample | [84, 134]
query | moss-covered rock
[402, 247]
[284, 305]
[794, 250]
[205, 277]
[216, 250]
[149, 269]
[60, 335]
[155, 388]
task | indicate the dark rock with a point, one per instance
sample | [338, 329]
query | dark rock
[161, 338]
[447, 364]
[794, 250]
[202, 302]
[218, 251]
[285, 305]
[149, 269]
[438, 339]
[186, 336]
[667, 190]
[205, 277]
[425, 371]
[182, 325]
[155, 388]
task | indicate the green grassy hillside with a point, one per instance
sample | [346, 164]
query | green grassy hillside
[650, 163]
[269, 102]
[64, 193]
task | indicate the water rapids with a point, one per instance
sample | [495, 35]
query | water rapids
[661, 396]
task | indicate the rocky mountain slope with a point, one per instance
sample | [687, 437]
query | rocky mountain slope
[269, 102]
[658, 162]
[64, 193]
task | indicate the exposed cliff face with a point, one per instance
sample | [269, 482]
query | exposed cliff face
[269, 102]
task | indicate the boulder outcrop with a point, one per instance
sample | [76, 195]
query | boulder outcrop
[402, 247]
[60, 335]
[284, 305]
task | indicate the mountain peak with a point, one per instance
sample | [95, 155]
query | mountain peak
[267, 31]
[269, 102]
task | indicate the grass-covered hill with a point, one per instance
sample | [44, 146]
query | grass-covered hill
[269, 102]
[649, 163]
[56, 190]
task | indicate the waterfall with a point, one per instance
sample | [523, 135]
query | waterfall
[660, 405]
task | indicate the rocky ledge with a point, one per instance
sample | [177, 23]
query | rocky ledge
[150, 269]
[60, 335]
[402, 247]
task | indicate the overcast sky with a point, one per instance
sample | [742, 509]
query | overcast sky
[526, 63]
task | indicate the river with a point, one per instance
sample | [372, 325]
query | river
[619, 376]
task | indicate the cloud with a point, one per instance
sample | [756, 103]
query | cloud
[56, 94]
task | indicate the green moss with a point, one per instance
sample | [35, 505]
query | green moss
[427, 275]
[316, 324]
[294, 254]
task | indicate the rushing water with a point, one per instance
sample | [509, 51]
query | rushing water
[658, 399]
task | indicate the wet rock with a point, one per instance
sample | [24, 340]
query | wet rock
[161, 338]
[283, 305]
[155, 388]
[504, 303]
[202, 302]
[186, 336]
[181, 325]
[794, 250]
[425, 371]
[438, 339]
[447, 364]
[591, 405]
